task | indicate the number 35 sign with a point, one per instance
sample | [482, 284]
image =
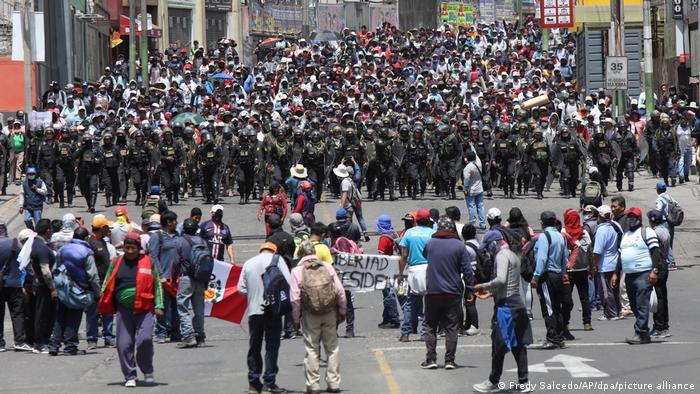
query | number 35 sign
[616, 73]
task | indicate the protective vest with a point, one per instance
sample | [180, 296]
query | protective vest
[32, 199]
[144, 300]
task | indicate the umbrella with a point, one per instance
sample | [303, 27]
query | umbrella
[270, 41]
[187, 116]
[222, 76]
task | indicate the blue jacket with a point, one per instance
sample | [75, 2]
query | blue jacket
[32, 199]
[9, 249]
[166, 257]
[551, 258]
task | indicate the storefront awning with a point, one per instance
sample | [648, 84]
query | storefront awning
[154, 32]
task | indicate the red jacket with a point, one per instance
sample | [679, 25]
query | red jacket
[146, 291]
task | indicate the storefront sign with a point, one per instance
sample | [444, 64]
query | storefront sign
[218, 5]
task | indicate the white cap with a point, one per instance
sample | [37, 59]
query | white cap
[217, 207]
[493, 213]
[605, 211]
[592, 170]
[601, 101]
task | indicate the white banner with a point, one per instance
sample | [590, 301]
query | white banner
[366, 272]
[40, 120]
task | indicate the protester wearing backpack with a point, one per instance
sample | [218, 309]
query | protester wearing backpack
[606, 250]
[305, 203]
[640, 260]
[154, 204]
[673, 215]
[76, 261]
[351, 198]
[661, 327]
[195, 269]
[263, 322]
[577, 268]
[517, 223]
[318, 306]
[592, 190]
[551, 256]
[285, 248]
[388, 245]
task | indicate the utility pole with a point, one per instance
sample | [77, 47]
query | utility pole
[617, 47]
[519, 10]
[26, 9]
[132, 40]
[305, 18]
[144, 45]
[648, 59]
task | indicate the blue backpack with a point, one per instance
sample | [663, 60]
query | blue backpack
[276, 294]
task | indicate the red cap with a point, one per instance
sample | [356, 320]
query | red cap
[133, 237]
[120, 211]
[635, 212]
[423, 214]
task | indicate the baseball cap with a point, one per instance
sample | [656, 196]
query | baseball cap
[120, 211]
[133, 237]
[590, 208]
[341, 213]
[493, 213]
[100, 221]
[268, 246]
[655, 216]
[605, 211]
[423, 214]
[635, 212]
[661, 185]
[154, 222]
[274, 220]
[217, 207]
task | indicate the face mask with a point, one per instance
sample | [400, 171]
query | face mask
[31, 177]
[634, 222]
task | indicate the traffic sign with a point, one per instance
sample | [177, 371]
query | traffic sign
[616, 73]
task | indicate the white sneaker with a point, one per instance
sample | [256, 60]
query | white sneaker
[130, 383]
[473, 331]
[525, 388]
[148, 378]
[486, 387]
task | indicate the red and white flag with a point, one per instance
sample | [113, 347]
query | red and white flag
[221, 297]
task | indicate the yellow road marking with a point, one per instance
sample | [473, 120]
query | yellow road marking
[385, 369]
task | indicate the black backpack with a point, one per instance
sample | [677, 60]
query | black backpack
[201, 262]
[276, 294]
[484, 265]
[528, 262]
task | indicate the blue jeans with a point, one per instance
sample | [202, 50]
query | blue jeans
[475, 204]
[263, 327]
[31, 217]
[412, 312]
[639, 291]
[593, 297]
[189, 292]
[685, 163]
[360, 218]
[65, 329]
[92, 327]
[391, 310]
[169, 325]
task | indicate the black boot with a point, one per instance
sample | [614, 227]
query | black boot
[108, 201]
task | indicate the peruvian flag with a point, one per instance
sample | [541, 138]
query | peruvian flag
[221, 297]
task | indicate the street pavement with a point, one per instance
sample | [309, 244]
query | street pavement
[374, 361]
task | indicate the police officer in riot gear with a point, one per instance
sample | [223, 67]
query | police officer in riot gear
[46, 162]
[403, 144]
[122, 145]
[629, 154]
[539, 158]
[667, 149]
[314, 159]
[417, 158]
[387, 163]
[90, 161]
[209, 158]
[524, 168]
[505, 159]
[171, 160]
[602, 154]
[110, 169]
[448, 152]
[571, 155]
[480, 140]
[140, 160]
[244, 158]
[65, 171]
[189, 145]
